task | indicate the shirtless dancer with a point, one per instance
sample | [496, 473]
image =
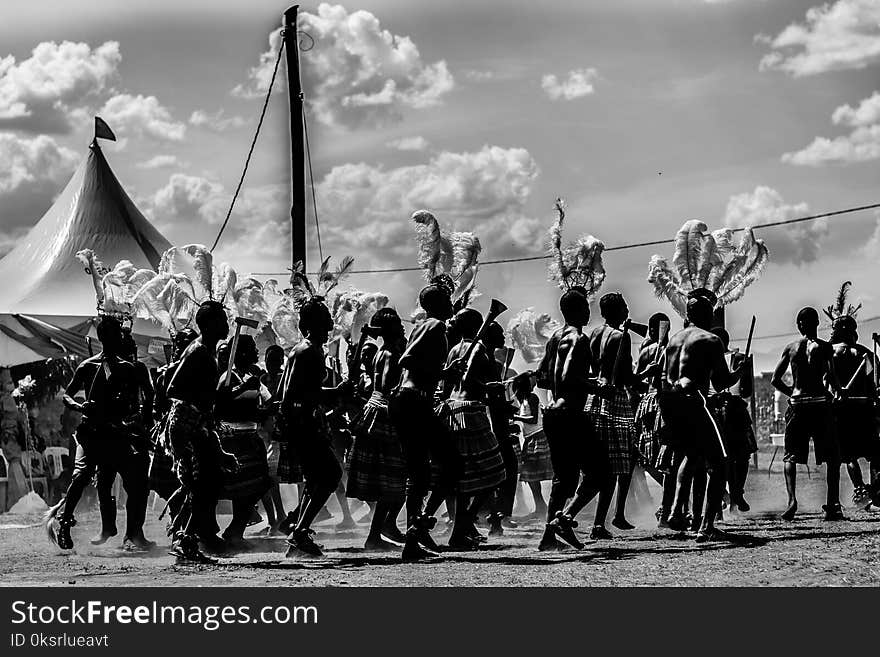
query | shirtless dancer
[854, 414]
[198, 456]
[694, 358]
[809, 413]
[573, 448]
[303, 403]
[422, 434]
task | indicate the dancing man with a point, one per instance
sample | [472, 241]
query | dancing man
[694, 359]
[809, 413]
[103, 438]
[422, 434]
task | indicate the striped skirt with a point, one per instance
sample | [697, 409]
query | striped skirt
[252, 477]
[615, 430]
[471, 432]
[648, 424]
[535, 463]
[377, 469]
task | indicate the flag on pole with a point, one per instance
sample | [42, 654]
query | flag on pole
[102, 130]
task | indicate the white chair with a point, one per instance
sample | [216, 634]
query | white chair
[54, 459]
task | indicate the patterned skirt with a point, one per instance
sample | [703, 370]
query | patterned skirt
[288, 470]
[615, 430]
[252, 477]
[471, 432]
[648, 424]
[195, 447]
[163, 479]
[377, 469]
[535, 463]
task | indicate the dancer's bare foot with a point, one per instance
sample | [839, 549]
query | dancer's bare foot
[790, 511]
[380, 545]
[622, 523]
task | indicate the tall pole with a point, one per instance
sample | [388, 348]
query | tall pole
[297, 147]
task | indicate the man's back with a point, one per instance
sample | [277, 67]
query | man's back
[194, 380]
[692, 357]
[810, 358]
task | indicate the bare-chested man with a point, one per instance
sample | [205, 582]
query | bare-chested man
[198, 456]
[694, 359]
[103, 437]
[422, 434]
[303, 404]
[854, 413]
[809, 412]
[565, 372]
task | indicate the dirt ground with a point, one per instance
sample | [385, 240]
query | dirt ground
[763, 551]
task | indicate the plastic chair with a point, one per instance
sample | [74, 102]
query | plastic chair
[54, 459]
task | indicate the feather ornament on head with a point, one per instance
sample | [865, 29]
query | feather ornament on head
[530, 331]
[708, 261]
[114, 288]
[840, 308]
[250, 301]
[454, 255]
[577, 264]
[352, 310]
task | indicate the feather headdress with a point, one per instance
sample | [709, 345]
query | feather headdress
[454, 254]
[710, 261]
[840, 308]
[250, 301]
[115, 288]
[577, 264]
[96, 269]
[353, 309]
[529, 331]
[168, 299]
[326, 279]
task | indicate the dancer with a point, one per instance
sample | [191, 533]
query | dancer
[467, 422]
[240, 408]
[735, 422]
[378, 469]
[422, 434]
[535, 464]
[569, 430]
[854, 412]
[303, 402]
[647, 416]
[809, 413]
[192, 436]
[274, 361]
[103, 437]
[138, 428]
[694, 358]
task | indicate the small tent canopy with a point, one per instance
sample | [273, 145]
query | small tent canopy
[41, 275]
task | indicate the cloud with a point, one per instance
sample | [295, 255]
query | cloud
[475, 75]
[409, 144]
[839, 36]
[860, 145]
[365, 209]
[32, 173]
[361, 75]
[160, 162]
[141, 116]
[577, 83]
[216, 121]
[38, 93]
[799, 243]
[872, 247]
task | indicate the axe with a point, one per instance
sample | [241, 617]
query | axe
[495, 309]
[239, 322]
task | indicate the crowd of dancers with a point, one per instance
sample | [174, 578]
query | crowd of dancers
[437, 418]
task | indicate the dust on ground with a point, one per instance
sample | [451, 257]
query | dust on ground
[762, 551]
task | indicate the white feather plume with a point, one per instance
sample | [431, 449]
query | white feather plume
[435, 249]
[578, 263]
[529, 332]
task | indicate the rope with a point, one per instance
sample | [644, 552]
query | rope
[312, 183]
[620, 247]
[253, 144]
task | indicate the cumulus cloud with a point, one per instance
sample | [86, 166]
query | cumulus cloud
[38, 93]
[839, 36]
[32, 172]
[860, 145]
[141, 116]
[409, 144]
[798, 243]
[160, 162]
[576, 84]
[365, 209]
[218, 121]
[360, 75]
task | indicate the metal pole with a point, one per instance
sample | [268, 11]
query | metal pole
[297, 146]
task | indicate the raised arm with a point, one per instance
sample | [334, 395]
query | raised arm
[77, 383]
[722, 376]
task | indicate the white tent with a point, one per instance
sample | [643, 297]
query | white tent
[42, 276]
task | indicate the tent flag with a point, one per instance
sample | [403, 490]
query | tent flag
[102, 130]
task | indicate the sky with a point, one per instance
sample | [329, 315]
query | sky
[641, 114]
